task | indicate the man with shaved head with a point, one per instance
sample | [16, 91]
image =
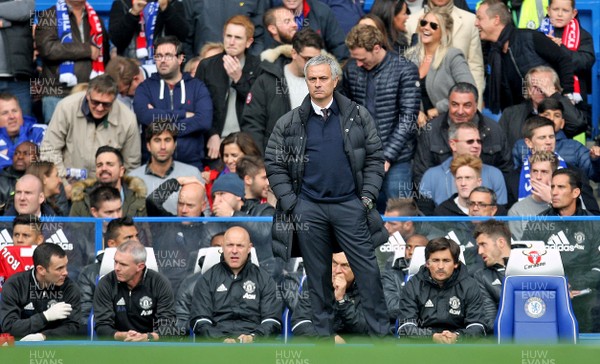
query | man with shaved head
[29, 197]
[232, 289]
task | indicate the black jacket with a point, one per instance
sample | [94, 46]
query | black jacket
[227, 305]
[320, 18]
[449, 208]
[513, 118]
[397, 102]
[267, 101]
[393, 281]
[426, 308]
[18, 43]
[124, 27]
[148, 307]
[8, 180]
[213, 74]
[285, 158]
[86, 281]
[23, 305]
[490, 281]
[183, 300]
[583, 59]
[433, 147]
[348, 317]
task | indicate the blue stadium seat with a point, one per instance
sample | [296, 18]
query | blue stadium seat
[534, 304]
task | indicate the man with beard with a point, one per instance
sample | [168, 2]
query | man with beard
[280, 25]
[161, 141]
[110, 172]
[177, 98]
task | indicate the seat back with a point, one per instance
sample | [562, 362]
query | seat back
[212, 256]
[534, 303]
[108, 261]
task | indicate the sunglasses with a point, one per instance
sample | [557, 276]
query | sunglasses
[434, 26]
[470, 141]
[96, 103]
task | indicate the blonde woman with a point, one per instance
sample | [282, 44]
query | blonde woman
[440, 65]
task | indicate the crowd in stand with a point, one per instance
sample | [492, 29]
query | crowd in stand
[184, 108]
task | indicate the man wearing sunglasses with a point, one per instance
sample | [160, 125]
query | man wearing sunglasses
[85, 121]
[433, 147]
[438, 183]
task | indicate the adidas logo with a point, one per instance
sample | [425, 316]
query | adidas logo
[60, 239]
[561, 243]
[428, 303]
[496, 282]
[452, 235]
[29, 307]
[5, 238]
[469, 245]
[222, 288]
[121, 302]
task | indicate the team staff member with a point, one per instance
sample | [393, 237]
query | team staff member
[43, 302]
[133, 303]
[441, 302]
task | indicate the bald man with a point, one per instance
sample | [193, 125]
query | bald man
[176, 244]
[29, 197]
[232, 289]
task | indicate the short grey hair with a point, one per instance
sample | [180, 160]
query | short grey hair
[135, 248]
[455, 127]
[336, 70]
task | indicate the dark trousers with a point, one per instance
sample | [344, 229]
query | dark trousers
[319, 226]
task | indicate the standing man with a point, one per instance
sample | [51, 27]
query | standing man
[43, 302]
[388, 86]
[177, 98]
[328, 133]
[133, 303]
[228, 77]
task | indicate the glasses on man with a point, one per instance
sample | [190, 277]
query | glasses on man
[469, 141]
[167, 57]
[96, 103]
[432, 25]
[479, 205]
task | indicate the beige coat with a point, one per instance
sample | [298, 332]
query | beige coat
[71, 141]
[465, 37]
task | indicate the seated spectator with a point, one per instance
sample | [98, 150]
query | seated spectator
[175, 244]
[161, 142]
[348, 312]
[42, 303]
[463, 36]
[85, 121]
[233, 147]
[24, 154]
[394, 14]
[576, 241]
[504, 86]
[542, 84]
[27, 232]
[188, 108]
[53, 189]
[252, 171]
[394, 278]
[16, 129]
[246, 308]
[463, 138]
[433, 147]
[564, 29]
[128, 75]
[281, 27]
[425, 311]
[134, 26]
[29, 198]
[440, 65]
[541, 134]
[117, 232]
[542, 165]
[466, 170]
[228, 77]
[319, 17]
[72, 53]
[110, 171]
[133, 303]
[493, 245]
[281, 86]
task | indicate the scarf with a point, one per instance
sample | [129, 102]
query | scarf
[493, 91]
[525, 178]
[66, 70]
[144, 43]
[571, 38]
